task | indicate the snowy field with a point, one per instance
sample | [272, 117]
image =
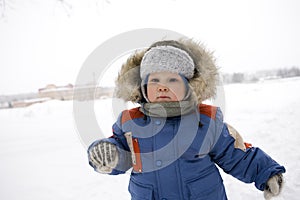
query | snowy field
[42, 157]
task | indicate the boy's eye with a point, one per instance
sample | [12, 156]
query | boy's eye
[154, 80]
[173, 80]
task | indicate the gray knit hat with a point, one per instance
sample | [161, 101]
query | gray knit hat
[167, 58]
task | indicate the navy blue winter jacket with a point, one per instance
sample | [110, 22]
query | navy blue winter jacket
[174, 158]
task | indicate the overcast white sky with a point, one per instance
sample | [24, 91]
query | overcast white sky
[47, 41]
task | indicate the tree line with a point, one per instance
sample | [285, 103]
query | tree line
[239, 77]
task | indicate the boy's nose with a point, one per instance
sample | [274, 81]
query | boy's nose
[162, 88]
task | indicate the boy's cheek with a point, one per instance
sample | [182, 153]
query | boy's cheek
[151, 95]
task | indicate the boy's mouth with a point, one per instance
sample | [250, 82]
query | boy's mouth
[163, 97]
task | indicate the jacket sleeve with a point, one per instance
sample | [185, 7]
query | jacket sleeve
[124, 154]
[249, 164]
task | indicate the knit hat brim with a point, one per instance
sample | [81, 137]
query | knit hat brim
[167, 58]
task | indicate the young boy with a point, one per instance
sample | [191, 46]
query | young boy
[173, 141]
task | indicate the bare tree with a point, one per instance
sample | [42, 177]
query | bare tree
[65, 5]
[238, 78]
[2, 8]
[6, 5]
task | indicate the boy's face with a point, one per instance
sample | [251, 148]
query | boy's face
[165, 86]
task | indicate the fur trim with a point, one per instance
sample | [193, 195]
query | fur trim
[203, 83]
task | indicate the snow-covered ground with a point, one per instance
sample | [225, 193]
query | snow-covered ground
[42, 157]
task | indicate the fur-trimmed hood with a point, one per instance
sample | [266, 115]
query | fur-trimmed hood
[203, 83]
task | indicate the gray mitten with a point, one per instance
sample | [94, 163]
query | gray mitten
[273, 186]
[103, 156]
